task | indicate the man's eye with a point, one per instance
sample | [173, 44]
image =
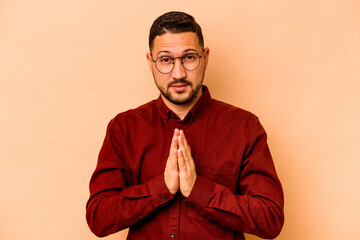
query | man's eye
[165, 60]
[190, 57]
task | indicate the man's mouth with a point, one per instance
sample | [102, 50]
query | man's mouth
[179, 87]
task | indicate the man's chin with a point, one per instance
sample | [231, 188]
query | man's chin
[179, 99]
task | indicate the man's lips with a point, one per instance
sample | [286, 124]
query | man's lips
[179, 87]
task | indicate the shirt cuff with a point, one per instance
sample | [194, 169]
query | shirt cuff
[200, 194]
[159, 192]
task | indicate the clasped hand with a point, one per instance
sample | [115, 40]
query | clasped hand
[180, 170]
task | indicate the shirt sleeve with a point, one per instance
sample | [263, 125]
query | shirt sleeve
[113, 204]
[256, 207]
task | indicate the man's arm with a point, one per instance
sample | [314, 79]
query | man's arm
[257, 205]
[113, 204]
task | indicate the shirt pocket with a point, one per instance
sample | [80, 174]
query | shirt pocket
[226, 177]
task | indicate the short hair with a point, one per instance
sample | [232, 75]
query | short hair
[175, 22]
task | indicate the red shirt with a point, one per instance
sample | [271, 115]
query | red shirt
[236, 190]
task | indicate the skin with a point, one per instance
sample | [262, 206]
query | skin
[189, 83]
[180, 90]
[180, 172]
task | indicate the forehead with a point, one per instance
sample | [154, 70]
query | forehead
[176, 43]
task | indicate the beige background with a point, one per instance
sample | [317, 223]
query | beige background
[67, 67]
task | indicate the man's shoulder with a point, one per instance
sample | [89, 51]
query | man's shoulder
[143, 112]
[229, 110]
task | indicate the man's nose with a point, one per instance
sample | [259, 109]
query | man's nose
[178, 71]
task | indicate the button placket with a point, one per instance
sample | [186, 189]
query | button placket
[174, 214]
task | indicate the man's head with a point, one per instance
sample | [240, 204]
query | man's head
[175, 22]
[177, 57]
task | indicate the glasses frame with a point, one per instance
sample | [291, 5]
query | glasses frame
[182, 64]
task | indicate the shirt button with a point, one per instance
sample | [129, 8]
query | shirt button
[192, 205]
[140, 216]
[163, 199]
[172, 235]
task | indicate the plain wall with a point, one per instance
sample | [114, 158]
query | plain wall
[68, 67]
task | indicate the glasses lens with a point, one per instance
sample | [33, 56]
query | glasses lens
[164, 64]
[191, 61]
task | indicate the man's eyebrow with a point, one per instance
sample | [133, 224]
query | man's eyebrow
[190, 50]
[185, 51]
[163, 52]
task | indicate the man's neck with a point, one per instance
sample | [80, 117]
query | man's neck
[182, 110]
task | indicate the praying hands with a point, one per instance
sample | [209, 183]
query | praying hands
[180, 170]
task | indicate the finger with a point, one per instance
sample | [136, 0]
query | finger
[181, 153]
[185, 144]
[174, 140]
[171, 162]
[183, 138]
[174, 159]
[176, 131]
[181, 160]
[184, 147]
[181, 142]
[174, 149]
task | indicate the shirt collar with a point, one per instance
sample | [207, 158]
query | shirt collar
[200, 106]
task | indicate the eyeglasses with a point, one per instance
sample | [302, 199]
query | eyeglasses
[190, 62]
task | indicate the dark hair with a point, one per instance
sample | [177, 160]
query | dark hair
[175, 22]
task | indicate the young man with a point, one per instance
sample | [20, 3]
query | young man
[184, 166]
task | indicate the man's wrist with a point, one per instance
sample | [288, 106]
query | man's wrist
[159, 191]
[201, 193]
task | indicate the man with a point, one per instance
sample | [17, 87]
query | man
[184, 166]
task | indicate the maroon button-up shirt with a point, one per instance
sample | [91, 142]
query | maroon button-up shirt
[236, 190]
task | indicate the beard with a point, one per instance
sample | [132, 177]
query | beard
[180, 98]
[184, 98]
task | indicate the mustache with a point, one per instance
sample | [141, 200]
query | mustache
[183, 81]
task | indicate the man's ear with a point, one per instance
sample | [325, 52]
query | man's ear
[149, 58]
[206, 56]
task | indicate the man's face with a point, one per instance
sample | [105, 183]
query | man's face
[180, 86]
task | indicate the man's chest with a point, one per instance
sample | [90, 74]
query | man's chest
[217, 153]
